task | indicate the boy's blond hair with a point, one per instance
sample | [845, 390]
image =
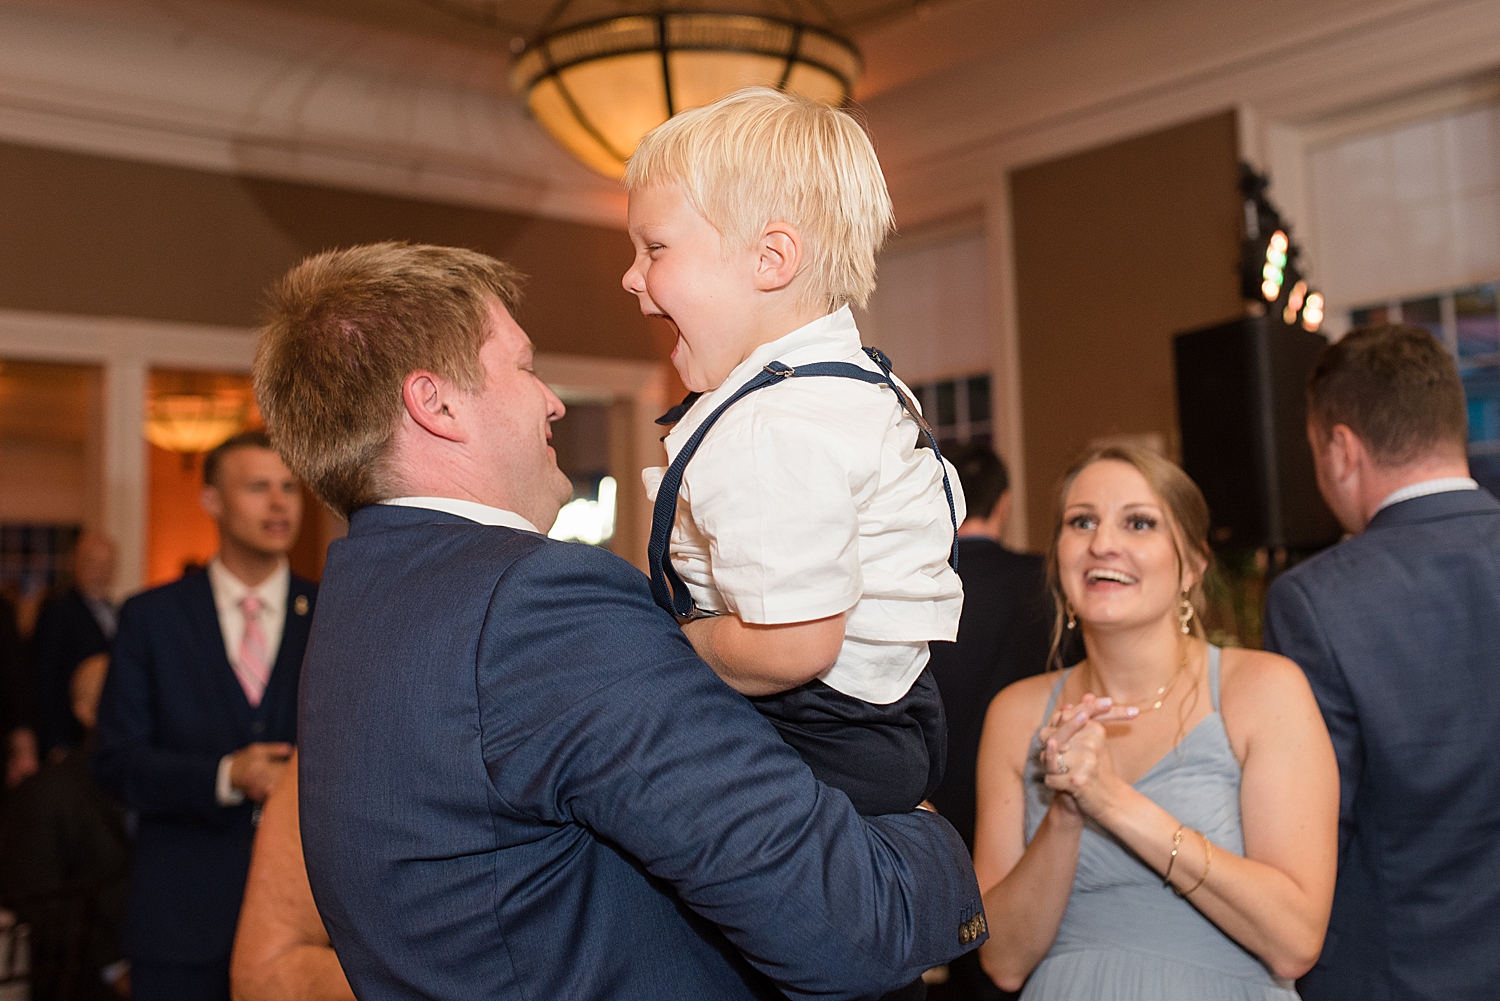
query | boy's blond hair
[760, 156]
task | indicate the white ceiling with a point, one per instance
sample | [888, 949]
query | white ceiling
[405, 97]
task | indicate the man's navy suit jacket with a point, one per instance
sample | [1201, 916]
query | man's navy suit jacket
[518, 781]
[66, 634]
[171, 709]
[1398, 630]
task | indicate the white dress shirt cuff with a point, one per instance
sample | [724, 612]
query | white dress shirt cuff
[224, 793]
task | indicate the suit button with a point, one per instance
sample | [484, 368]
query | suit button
[257, 728]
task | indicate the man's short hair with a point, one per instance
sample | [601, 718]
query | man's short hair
[760, 156]
[1395, 387]
[254, 438]
[983, 475]
[346, 327]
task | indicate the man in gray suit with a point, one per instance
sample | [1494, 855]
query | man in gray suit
[1398, 629]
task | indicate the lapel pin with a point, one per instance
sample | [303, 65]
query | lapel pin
[300, 605]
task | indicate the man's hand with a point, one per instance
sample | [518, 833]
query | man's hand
[256, 768]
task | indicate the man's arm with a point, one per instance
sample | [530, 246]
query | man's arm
[606, 718]
[126, 760]
[281, 949]
[1291, 628]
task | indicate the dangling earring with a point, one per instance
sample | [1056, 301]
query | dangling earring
[1072, 622]
[1185, 613]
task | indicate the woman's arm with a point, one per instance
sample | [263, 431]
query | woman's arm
[281, 950]
[762, 660]
[1275, 900]
[1025, 887]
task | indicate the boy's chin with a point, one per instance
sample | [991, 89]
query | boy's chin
[693, 380]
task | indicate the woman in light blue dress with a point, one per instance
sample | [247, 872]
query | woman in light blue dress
[1161, 821]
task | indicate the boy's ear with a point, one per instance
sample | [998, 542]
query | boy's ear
[779, 257]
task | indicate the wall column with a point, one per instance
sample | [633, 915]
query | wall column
[125, 480]
[1005, 382]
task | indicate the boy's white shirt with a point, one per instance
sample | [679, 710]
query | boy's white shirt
[809, 498]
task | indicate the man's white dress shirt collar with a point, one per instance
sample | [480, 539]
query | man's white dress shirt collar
[229, 591]
[1442, 485]
[472, 510]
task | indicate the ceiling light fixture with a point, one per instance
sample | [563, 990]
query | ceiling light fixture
[193, 423]
[599, 85]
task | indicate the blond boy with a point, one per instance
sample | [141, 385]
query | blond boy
[814, 522]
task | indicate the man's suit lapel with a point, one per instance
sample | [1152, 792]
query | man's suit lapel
[293, 638]
[203, 615]
[87, 623]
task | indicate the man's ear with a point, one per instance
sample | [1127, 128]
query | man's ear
[211, 501]
[779, 256]
[1346, 453]
[431, 401]
[1001, 513]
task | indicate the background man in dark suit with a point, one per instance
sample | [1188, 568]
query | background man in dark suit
[1398, 629]
[198, 719]
[70, 628]
[516, 778]
[1003, 636]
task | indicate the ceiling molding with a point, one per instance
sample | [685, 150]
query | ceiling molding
[948, 163]
[275, 94]
[66, 337]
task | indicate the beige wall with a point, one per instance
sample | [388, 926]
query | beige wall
[92, 235]
[186, 255]
[1116, 250]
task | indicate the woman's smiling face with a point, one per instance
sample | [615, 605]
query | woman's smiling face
[1116, 557]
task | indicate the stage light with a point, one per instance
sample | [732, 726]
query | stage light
[1294, 303]
[1274, 270]
[1312, 313]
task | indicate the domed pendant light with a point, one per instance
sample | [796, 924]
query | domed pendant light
[599, 84]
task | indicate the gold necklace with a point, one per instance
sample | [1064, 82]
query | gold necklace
[1161, 693]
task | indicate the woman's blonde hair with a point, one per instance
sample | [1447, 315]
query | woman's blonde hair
[1186, 511]
[760, 156]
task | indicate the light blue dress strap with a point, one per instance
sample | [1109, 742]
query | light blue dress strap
[1056, 691]
[1213, 676]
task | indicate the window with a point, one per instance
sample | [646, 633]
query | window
[958, 409]
[1467, 321]
[36, 558]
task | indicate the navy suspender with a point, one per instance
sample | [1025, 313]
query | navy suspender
[667, 588]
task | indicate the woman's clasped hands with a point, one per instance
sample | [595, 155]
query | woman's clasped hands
[1074, 755]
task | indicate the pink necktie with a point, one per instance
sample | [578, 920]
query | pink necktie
[252, 666]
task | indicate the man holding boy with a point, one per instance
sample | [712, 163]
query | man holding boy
[516, 779]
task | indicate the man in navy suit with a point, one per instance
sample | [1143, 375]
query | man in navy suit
[197, 721]
[516, 778]
[1398, 629]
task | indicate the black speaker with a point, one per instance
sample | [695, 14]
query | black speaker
[1243, 415]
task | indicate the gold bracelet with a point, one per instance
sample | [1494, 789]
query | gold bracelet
[1166, 879]
[1208, 861]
